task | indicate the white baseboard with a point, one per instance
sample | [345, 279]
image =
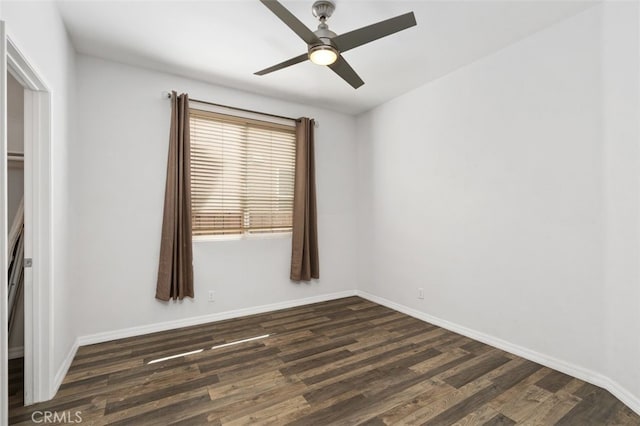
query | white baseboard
[16, 352]
[186, 322]
[581, 373]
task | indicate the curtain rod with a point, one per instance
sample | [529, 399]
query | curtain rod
[168, 96]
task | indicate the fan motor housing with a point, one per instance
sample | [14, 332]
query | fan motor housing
[324, 33]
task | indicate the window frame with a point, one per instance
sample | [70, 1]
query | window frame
[258, 119]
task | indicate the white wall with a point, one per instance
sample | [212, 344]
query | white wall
[15, 185]
[509, 191]
[118, 168]
[621, 112]
[39, 34]
[486, 189]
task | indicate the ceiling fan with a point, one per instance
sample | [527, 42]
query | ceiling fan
[326, 47]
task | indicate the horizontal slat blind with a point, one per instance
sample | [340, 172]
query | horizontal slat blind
[242, 174]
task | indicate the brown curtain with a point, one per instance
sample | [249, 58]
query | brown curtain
[175, 271]
[304, 252]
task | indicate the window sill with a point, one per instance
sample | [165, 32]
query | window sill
[240, 237]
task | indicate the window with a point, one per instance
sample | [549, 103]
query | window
[242, 175]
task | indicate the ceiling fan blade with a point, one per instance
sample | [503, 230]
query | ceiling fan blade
[344, 70]
[284, 64]
[291, 21]
[355, 38]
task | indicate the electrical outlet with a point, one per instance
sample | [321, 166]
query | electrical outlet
[420, 293]
[212, 296]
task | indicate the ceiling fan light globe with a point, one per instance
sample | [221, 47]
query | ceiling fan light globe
[323, 55]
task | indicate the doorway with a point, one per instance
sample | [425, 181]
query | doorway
[16, 238]
[35, 158]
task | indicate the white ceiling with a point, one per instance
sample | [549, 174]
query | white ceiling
[225, 42]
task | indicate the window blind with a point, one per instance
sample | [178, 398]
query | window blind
[242, 175]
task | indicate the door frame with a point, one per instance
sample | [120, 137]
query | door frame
[4, 342]
[39, 383]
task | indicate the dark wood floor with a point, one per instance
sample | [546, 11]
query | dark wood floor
[343, 362]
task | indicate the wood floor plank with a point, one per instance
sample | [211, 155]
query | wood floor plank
[342, 362]
[254, 384]
[499, 420]
[168, 414]
[436, 407]
[573, 386]
[197, 420]
[517, 390]
[234, 373]
[554, 381]
[596, 408]
[316, 349]
[528, 401]
[264, 353]
[354, 366]
[443, 358]
[552, 409]
[435, 392]
[468, 405]
[153, 392]
[622, 416]
[476, 347]
[469, 362]
[141, 373]
[259, 402]
[326, 358]
[383, 401]
[480, 416]
[473, 372]
[106, 368]
[332, 414]
[246, 401]
[275, 414]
